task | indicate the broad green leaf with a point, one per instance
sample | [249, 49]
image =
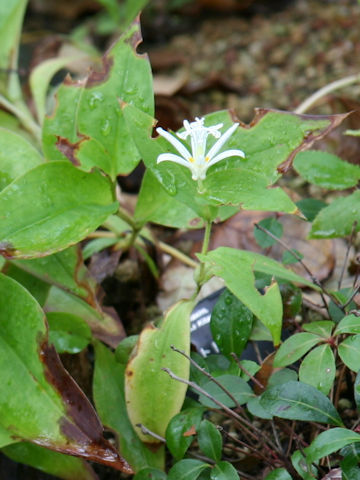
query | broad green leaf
[349, 324]
[210, 440]
[349, 469]
[144, 378]
[294, 348]
[307, 472]
[65, 212]
[237, 386]
[273, 226]
[188, 469]
[68, 333]
[98, 244]
[278, 474]
[103, 325]
[64, 269]
[292, 256]
[231, 323]
[39, 401]
[310, 207]
[11, 18]
[318, 369]
[349, 352]
[352, 451]
[237, 268]
[179, 434]
[299, 401]
[109, 397]
[125, 347]
[224, 471]
[6, 438]
[87, 126]
[255, 408]
[323, 328]
[38, 289]
[150, 473]
[17, 156]
[245, 182]
[282, 376]
[337, 220]
[329, 442]
[54, 463]
[326, 170]
[40, 78]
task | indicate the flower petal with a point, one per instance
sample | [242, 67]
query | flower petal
[174, 142]
[171, 157]
[226, 154]
[222, 140]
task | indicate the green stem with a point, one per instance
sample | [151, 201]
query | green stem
[177, 254]
[24, 116]
[205, 246]
[331, 87]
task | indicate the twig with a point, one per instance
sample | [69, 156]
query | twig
[322, 92]
[272, 423]
[255, 451]
[351, 239]
[207, 374]
[146, 431]
[243, 369]
[291, 437]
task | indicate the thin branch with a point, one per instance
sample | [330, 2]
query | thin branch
[146, 431]
[177, 254]
[351, 239]
[207, 374]
[322, 92]
[243, 369]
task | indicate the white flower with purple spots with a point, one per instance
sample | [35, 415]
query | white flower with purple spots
[198, 160]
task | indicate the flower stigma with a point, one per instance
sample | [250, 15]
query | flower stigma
[198, 160]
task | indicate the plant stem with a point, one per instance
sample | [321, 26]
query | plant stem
[24, 116]
[322, 92]
[177, 254]
[204, 250]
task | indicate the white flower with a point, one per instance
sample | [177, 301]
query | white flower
[198, 161]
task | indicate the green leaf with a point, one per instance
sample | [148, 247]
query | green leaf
[54, 463]
[98, 244]
[68, 333]
[231, 323]
[357, 391]
[38, 289]
[323, 328]
[270, 141]
[150, 473]
[177, 438]
[278, 474]
[329, 442]
[294, 348]
[291, 256]
[310, 207]
[349, 352]
[40, 78]
[337, 220]
[210, 440]
[307, 472]
[273, 226]
[224, 471]
[318, 369]
[109, 397]
[87, 126]
[255, 408]
[125, 347]
[145, 378]
[349, 469]
[17, 156]
[65, 212]
[39, 400]
[237, 386]
[64, 269]
[6, 438]
[187, 469]
[326, 170]
[11, 18]
[103, 325]
[282, 376]
[349, 324]
[299, 401]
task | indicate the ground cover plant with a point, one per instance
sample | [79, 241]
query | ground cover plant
[167, 411]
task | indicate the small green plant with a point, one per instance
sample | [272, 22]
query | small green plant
[58, 179]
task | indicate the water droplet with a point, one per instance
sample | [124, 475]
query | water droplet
[106, 128]
[95, 99]
[171, 189]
